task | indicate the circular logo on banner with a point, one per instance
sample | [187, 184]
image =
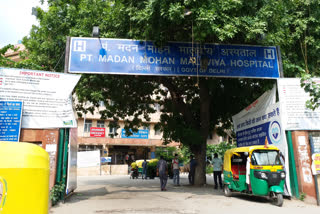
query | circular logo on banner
[275, 132]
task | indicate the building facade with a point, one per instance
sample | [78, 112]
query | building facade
[14, 54]
[95, 134]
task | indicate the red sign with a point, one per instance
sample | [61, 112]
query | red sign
[97, 132]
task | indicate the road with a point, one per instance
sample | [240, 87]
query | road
[119, 194]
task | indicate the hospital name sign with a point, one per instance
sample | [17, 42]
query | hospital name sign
[132, 57]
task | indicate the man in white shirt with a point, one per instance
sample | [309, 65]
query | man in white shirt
[217, 169]
[176, 170]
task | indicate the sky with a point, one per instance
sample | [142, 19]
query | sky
[16, 20]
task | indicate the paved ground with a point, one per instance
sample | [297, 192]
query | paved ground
[119, 194]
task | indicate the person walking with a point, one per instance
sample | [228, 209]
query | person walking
[144, 169]
[162, 172]
[193, 164]
[176, 170]
[127, 159]
[217, 169]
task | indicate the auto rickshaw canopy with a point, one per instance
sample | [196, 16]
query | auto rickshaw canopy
[229, 153]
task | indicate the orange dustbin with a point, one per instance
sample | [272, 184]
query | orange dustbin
[24, 175]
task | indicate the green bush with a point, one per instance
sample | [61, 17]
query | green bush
[185, 155]
[302, 196]
[209, 169]
[166, 152]
[220, 149]
[152, 169]
[56, 191]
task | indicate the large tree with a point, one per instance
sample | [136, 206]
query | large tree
[191, 107]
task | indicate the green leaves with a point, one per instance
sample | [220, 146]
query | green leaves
[56, 191]
[5, 62]
[313, 89]
[220, 149]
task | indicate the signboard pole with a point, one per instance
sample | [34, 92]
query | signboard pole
[279, 61]
[67, 53]
[100, 161]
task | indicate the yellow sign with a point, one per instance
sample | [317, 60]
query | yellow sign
[316, 163]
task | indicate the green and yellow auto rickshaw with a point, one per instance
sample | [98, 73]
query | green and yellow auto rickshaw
[255, 170]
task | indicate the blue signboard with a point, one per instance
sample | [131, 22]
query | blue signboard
[153, 155]
[253, 136]
[141, 134]
[105, 159]
[10, 120]
[132, 57]
[257, 134]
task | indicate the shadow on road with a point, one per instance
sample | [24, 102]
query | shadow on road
[119, 194]
[122, 187]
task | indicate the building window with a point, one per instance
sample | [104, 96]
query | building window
[101, 104]
[225, 138]
[112, 131]
[100, 123]
[111, 103]
[157, 107]
[87, 125]
[157, 131]
[210, 136]
[90, 147]
[146, 128]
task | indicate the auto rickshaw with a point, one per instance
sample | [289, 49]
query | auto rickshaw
[254, 170]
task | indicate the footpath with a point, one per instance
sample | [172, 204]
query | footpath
[121, 195]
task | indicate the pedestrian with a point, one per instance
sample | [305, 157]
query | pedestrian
[176, 170]
[217, 169]
[193, 164]
[127, 159]
[162, 172]
[144, 169]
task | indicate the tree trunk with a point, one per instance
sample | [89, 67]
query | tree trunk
[200, 156]
[201, 150]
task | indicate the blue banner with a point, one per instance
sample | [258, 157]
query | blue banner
[105, 159]
[10, 120]
[141, 134]
[254, 128]
[257, 134]
[253, 136]
[132, 57]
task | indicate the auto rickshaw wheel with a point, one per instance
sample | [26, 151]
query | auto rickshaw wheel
[277, 199]
[227, 191]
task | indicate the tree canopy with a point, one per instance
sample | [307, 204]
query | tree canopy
[191, 106]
